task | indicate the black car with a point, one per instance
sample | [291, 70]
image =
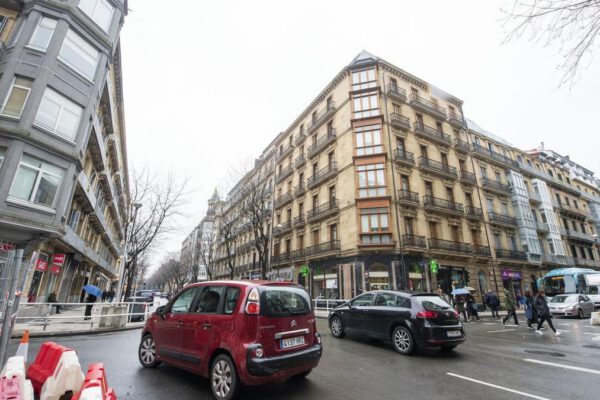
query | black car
[408, 320]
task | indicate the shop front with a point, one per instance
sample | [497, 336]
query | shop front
[378, 277]
[325, 282]
[450, 278]
[416, 277]
[511, 281]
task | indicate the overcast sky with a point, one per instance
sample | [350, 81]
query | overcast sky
[208, 84]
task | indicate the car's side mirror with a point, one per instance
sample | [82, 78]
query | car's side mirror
[350, 306]
[161, 311]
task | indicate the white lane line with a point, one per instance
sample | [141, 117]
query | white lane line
[497, 387]
[562, 330]
[490, 323]
[590, 333]
[591, 371]
[502, 330]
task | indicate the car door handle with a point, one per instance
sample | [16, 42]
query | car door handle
[206, 325]
[179, 324]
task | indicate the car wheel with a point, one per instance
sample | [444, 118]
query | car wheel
[147, 352]
[580, 313]
[224, 381]
[403, 341]
[336, 327]
[302, 375]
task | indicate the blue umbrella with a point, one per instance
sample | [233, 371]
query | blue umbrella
[93, 290]
[459, 291]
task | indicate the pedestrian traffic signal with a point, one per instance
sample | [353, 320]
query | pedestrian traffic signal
[433, 266]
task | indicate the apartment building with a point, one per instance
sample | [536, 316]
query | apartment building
[63, 161]
[381, 175]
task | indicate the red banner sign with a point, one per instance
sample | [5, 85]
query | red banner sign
[7, 247]
[41, 265]
[58, 259]
[55, 269]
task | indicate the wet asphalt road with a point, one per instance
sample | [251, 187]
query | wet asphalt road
[356, 368]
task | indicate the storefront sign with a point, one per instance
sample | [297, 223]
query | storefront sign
[284, 274]
[55, 269]
[255, 275]
[58, 259]
[507, 274]
[41, 265]
[415, 275]
[7, 246]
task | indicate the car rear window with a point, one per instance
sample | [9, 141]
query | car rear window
[564, 299]
[284, 301]
[432, 303]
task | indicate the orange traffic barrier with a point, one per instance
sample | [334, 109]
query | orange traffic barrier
[95, 385]
[10, 388]
[23, 349]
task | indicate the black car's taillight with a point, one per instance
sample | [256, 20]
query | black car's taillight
[427, 314]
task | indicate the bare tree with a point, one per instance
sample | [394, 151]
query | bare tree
[571, 25]
[205, 247]
[172, 274]
[226, 234]
[156, 201]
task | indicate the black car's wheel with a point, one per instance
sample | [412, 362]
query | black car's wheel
[580, 313]
[403, 341]
[147, 352]
[224, 381]
[302, 375]
[336, 327]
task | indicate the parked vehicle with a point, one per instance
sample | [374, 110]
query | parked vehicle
[235, 333]
[148, 295]
[139, 308]
[407, 320]
[571, 305]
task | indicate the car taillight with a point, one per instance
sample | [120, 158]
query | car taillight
[427, 314]
[253, 302]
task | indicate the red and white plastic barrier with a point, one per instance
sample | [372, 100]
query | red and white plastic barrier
[95, 386]
[13, 384]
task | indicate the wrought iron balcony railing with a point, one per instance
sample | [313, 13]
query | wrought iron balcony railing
[474, 212]
[449, 245]
[321, 143]
[406, 196]
[511, 254]
[323, 211]
[461, 145]
[497, 218]
[427, 106]
[319, 118]
[431, 133]
[404, 157]
[326, 247]
[399, 121]
[321, 175]
[437, 167]
[495, 186]
[443, 204]
[414, 241]
[393, 90]
[490, 155]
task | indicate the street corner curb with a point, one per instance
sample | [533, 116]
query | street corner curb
[19, 335]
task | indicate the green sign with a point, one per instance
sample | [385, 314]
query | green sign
[304, 270]
[433, 266]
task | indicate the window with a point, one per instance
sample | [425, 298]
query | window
[15, 101]
[490, 204]
[408, 226]
[2, 153]
[364, 79]
[483, 171]
[366, 105]
[363, 301]
[209, 302]
[391, 300]
[100, 11]
[184, 300]
[433, 230]
[368, 140]
[79, 55]
[498, 176]
[42, 34]
[36, 182]
[58, 114]
[371, 180]
[374, 223]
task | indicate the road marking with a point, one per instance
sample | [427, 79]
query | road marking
[562, 330]
[590, 333]
[497, 387]
[502, 330]
[490, 323]
[591, 371]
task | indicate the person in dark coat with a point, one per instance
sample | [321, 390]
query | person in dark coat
[509, 303]
[460, 307]
[91, 299]
[52, 299]
[543, 311]
[491, 299]
[530, 312]
[472, 306]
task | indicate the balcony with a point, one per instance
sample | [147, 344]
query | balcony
[542, 227]
[323, 211]
[406, 197]
[321, 117]
[568, 209]
[433, 134]
[404, 157]
[455, 120]
[299, 221]
[556, 259]
[461, 146]
[438, 168]
[285, 150]
[76, 242]
[584, 262]
[467, 178]
[577, 235]
[474, 213]
[284, 199]
[322, 175]
[282, 228]
[300, 161]
[399, 121]
[501, 219]
[492, 185]
[396, 92]
[83, 181]
[511, 254]
[300, 189]
[490, 155]
[321, 143]
[413, 242]
[535, 197]
[427, 106]
[480, 250]
[300, 138]
[444, 206]
[280, 258]
[327, 247]
[284, 173]
[449, 245]
[297, 254]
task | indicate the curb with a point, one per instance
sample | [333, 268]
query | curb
[74, 333]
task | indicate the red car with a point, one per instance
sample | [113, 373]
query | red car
[235, 333]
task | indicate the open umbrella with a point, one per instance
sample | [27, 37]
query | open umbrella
[93, 290]
[470, 289]
[459, 291]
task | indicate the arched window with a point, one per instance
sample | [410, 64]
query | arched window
[482, 281]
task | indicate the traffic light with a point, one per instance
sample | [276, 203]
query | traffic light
[433, 266]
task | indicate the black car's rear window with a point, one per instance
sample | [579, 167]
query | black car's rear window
[432, 303]
[281, 301]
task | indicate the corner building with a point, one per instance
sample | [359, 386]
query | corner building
[63, 161]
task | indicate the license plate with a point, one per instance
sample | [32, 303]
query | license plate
[292, 342]
[453, 333]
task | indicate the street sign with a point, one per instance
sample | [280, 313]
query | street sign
[304, 270]
[41, 265]
[58, 259]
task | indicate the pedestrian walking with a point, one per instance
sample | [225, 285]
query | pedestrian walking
[543, 311]
[472, 307]
[459, 301]
[530, 312]
[52, 299]
[111, 295]
[88, 309]
[104, 296]
[509, 302]
[491, 299]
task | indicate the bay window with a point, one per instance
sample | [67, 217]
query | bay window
[364, 79]
[15, 101]
[79, 55]
[100, 11]
[366, 105]
[374, 226]
[36, 182]
[368, 140]
[42, 34]
[58, 115]
[371, 180]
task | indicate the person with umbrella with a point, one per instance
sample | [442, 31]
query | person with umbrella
[93, 293]
[459, 301]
